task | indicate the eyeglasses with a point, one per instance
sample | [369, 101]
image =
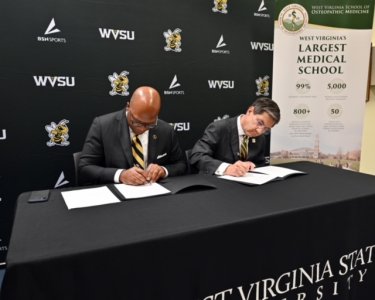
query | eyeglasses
[260, 125]
[134, 122]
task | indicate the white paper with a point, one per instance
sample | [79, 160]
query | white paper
[89, 197]
[263, 175]
[141, 191]
[251, 178]
[277, 171]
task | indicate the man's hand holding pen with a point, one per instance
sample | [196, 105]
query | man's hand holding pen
[138, 176]
[154, 172]
[239, 168]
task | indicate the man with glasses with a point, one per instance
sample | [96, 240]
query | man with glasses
[131, 146]
[236, 145]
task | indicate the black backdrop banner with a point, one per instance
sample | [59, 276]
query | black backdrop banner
[65, 62]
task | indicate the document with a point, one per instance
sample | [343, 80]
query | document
[262, 175]
[141, 191]
[89, 197]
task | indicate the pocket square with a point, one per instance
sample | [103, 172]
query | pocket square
[161, 155]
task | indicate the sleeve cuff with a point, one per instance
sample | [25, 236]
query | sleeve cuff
[221, 169]
[116, 179]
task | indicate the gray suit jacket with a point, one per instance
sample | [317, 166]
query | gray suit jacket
[108, 148]
[220, 143]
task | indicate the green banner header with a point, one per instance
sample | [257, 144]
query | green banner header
[350, 14]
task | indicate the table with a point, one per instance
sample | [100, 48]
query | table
[305, 237]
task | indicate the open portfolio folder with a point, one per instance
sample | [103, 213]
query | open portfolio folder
[262, 175]
[106, 195]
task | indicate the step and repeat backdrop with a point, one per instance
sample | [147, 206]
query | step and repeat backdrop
[65, 62]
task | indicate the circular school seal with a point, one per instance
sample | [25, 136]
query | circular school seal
[293, 18]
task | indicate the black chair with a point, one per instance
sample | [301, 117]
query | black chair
[76, 157]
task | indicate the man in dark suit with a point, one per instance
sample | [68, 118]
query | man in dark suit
[131, 146]
[235, 146]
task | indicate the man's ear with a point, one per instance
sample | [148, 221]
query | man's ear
[250, 110]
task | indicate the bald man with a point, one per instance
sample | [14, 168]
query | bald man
[108, 153]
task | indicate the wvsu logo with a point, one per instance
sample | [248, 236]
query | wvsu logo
[261, 11]
[119, 83]
[58, 133]
[59, 81]
[116, 34]
[51, 29]
[220, 44]
[220, 6]
[221, 84]
[173, 40]
[3, 135]
[182, 126]
[263, 86]
[174, 84]
[258, 46]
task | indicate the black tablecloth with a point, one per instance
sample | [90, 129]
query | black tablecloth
[305, 237]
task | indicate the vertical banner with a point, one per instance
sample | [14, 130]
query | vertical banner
[320, 75]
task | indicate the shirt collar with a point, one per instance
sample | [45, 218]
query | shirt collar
[239, 127]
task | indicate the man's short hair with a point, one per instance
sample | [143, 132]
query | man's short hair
[267, 105]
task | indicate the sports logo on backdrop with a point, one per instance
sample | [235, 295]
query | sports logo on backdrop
[220, 6]
[61, 181]
[173, 40]
[221, 118]
[116, 34]
[58, 81]
[182, 126]
[262, 11]
[260, 46]
[263, 86]
[51, 29]
[174, 84]
[293, 18]
[58, 133]
[221, 84]
[119, 83]
[220, 44]
[3, 135]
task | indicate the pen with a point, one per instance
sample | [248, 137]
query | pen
[138, 166]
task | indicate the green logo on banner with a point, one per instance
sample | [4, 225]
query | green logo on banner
[293, 18]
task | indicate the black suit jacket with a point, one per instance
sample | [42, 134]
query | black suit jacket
[220, 143]
[108, 148]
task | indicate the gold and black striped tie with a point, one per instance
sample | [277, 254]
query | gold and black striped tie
[137, 151]
[244, 148]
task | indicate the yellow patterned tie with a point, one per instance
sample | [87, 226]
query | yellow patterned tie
[137, 151]
[244, 148]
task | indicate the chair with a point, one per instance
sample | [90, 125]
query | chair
[76, 157]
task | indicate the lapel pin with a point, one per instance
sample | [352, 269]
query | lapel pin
[154, 136]
[254, 141]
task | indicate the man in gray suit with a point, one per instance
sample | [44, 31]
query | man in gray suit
[131, 146]
[235, 146]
